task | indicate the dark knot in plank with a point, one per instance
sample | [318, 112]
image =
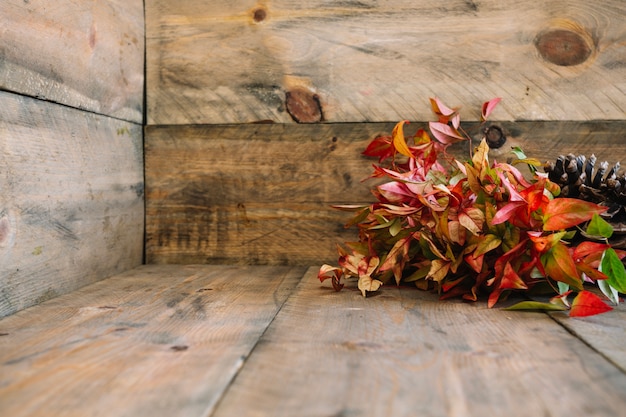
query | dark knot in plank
[564, 47]
[304, 106]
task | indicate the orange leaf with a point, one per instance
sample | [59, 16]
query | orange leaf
[588, 304]
[476, 263]
[441, 110]
[560, 266]
[510, 279]
[398, 140]
[586, 248]
[563, 213]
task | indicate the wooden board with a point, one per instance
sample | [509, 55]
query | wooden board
[404, 353]
[198, 340]
[261, 194]
[87, 54]
[365, 61]
[71, 199]
[155, 341]
[603, 333]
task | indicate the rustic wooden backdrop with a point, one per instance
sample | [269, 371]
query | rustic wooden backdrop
[257, 111]
[364, 61]
[71, 155]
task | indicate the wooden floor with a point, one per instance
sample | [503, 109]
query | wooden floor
[272, 341]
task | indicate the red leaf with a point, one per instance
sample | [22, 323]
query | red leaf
[563, 213]
[476, 263]
[586, 248]
[380, 147]
[510, 279]
[588, 304]
[488, 107]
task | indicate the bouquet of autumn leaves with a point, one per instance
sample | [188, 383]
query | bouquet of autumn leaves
[476, 227]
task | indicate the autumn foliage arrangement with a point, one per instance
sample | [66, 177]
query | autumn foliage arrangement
[474, 227]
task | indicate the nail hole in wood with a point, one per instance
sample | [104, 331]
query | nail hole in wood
[495, 136]
[179, 348]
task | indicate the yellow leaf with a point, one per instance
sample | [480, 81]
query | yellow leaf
[399, 142]
[481, 156]
[368, 284]
[438, 269]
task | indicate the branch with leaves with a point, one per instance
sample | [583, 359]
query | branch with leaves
[467, 228]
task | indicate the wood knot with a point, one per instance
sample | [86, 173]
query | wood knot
[304, 106]
[565, 46]
[259, 15]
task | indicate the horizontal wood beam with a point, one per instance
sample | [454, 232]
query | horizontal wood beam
[366, 61]
[261, 194]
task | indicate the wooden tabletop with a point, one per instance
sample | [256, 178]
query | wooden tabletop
[272, 341]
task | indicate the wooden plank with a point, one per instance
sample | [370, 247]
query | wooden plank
[261, 194]
[365, 61]
[404, 353]
[88, 54]
[71, 200]
[605, 333]
[154, 341]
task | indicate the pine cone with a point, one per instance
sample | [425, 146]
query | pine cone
[579, 177]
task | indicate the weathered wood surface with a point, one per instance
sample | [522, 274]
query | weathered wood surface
[87, 54]
[404, 353]
[189, 340]
[603, 333]
[261, 194]
[355, 61]
[71, 199]
[155, 341]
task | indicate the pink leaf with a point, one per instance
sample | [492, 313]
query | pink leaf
[488, 107]
[444, 133]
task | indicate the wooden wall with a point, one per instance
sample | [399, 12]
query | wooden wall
[71, 157]
[241, 61]
[257, 111]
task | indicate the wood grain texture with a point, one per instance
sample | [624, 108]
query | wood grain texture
[367, 61]
[154, 341]
[87, 54]
[404, 353]
[605, 333]
[71, 199]
[261, 194]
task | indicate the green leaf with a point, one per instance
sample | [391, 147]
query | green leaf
[599, 227]
[534, 306]
[518, 152]
[613, 267]
[563, 287]
[396, 227]
[487, 243]
[610, 292]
